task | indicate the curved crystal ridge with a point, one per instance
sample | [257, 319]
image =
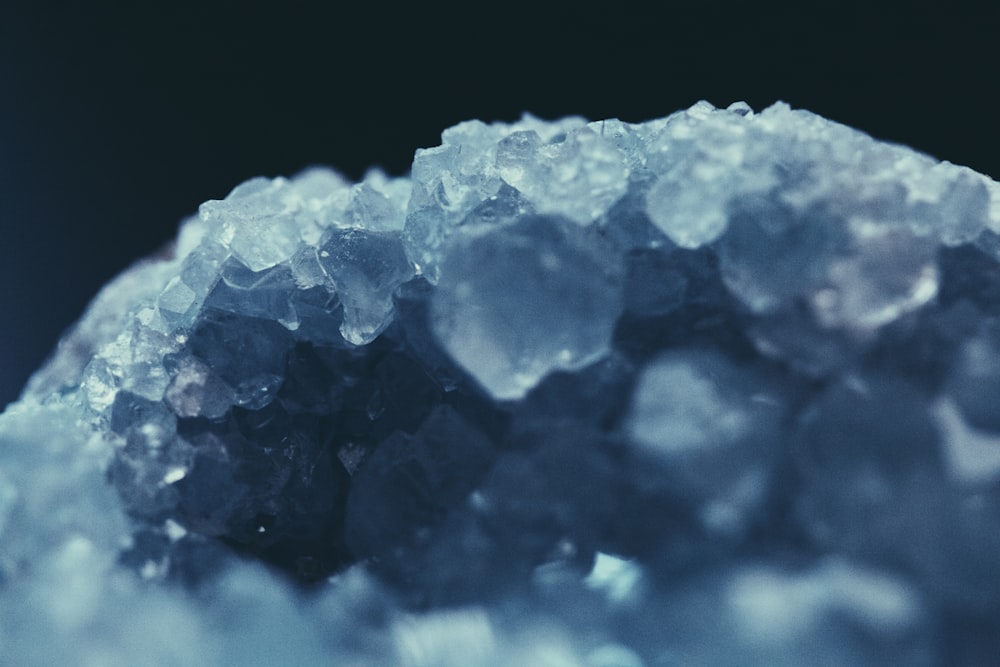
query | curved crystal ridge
[719, 386]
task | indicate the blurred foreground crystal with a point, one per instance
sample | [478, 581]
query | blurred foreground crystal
[718, 389]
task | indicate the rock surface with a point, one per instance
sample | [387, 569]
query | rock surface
[718, 388]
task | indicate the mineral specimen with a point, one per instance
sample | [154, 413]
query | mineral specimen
[718, 389]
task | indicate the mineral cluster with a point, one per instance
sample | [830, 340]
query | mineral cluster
[718, 389]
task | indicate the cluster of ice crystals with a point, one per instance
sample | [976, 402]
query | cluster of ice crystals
[718, 388]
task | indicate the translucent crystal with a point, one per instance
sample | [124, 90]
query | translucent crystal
[365, 268]
[705, 427]
[549, 302]
[250, 223]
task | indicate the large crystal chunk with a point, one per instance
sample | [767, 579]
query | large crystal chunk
[549, 301]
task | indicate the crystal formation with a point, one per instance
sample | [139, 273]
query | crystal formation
[719, 388]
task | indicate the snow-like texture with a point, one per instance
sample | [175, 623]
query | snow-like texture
[715, 389]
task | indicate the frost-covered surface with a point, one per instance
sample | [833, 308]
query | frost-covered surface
[717, 389]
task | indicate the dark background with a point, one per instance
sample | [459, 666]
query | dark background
[117, 121]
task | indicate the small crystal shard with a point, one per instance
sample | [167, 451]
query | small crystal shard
[365, 269]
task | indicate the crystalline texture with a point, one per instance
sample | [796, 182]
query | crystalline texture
[549, 301]
[717, 388]
[247, 220]
[365, 268]
[561, 168]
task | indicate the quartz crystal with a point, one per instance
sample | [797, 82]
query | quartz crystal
[718, 388]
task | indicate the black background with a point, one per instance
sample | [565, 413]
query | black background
[117, 120]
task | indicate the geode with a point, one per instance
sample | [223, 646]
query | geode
[718, 388]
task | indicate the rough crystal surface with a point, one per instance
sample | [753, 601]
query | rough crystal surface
[718, 388]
